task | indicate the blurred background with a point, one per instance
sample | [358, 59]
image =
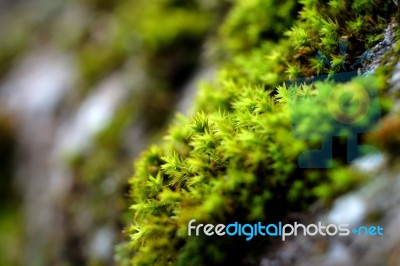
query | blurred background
[85, 85]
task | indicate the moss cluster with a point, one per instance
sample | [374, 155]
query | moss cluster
[321, 37]
[236, 159]
[330, 36]
[238, 163]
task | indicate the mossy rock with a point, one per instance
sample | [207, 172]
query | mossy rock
[236, 158]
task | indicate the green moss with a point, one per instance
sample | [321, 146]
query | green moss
[236, 158]
[234, 164]
[340, 30]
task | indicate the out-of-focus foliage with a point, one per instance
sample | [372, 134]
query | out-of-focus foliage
[269, 19]
[164, 39]
[251, 45]
[10, 215]
[163, 32]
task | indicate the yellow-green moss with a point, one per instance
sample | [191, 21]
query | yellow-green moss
[236, 158]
